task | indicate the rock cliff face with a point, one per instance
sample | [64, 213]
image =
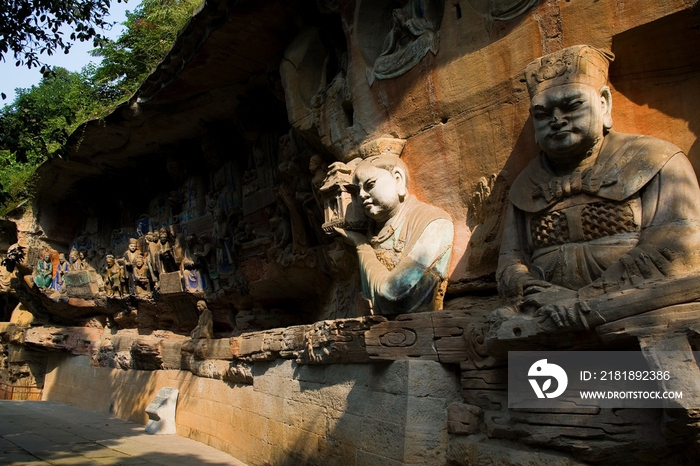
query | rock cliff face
[222, 178]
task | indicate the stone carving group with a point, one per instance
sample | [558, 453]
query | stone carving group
[594, 213]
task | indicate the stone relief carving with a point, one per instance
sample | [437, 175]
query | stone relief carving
[413, 33]
[165, 258]
[317, 95]
[406, 253]
[602, 232]
[43, 273]
[74, 260]
[188, 201]
[224, 177]
[205, 325]
[114, 278]
[206, 255]
[319, 169]
[174, 250]
[141, 276]
[62, 267]
[486, 211]
[291, 193]
[191, 266]
[222, 238]
[129, 259]
[340, 208]
[597, 211]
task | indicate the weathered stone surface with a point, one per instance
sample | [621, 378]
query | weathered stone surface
[460, 337]
[493, 400]
[154, 352]
[171, 283]
[489, 379]
[591, 435]
[108, 356]
[446, 336]
[259, 346]
[12, 332]
[146, 354]
[21, 316]
[336, 341]
[475, 451]
[239, 372]
[22, 366]
[255, 319]
[407, 336]
[219, 348]
[171, 350]
[325, 342]
[81, 284]
[76, 340]
[645, 297]
[211, 369]
[98, 322]
[462, 418]
[129, 350]
[680, 318]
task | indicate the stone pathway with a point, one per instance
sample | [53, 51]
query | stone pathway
[47, 432]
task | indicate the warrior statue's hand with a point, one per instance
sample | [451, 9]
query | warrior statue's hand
[532, 286]
[563, 313]
[538, 293]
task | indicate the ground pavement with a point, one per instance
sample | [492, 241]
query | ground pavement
[46, 432]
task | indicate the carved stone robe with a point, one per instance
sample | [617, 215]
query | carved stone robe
[636, 203]
[405, 268]
[59, 278]
[43, 274]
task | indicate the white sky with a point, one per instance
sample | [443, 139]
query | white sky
[12, 77]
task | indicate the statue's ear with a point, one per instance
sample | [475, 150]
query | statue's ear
[532, 117]
[606, 103]
[400, 178]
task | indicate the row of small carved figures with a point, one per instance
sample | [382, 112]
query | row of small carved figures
[113, 270]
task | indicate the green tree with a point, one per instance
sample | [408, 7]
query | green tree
[150, 32]
[37, 124]
[30, 28]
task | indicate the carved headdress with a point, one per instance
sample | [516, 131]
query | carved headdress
[580, 64]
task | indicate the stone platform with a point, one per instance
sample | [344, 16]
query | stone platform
[48, 432]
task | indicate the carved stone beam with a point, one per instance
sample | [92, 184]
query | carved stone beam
[324, 342]
[610, 307]
[76, 340]
[444, 336]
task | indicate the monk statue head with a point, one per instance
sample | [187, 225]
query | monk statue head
[382, 182]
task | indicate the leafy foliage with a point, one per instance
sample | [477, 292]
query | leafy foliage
[15, 255]
[151, 30]
[30, 28]
[37, 124]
